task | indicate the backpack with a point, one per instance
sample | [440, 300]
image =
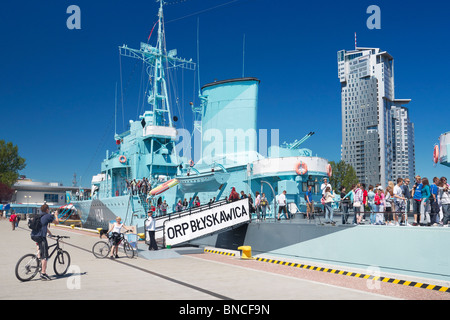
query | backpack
[377, 200]
[34, 223]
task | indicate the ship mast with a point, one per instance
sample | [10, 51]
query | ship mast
[158, 97]
[158, 58]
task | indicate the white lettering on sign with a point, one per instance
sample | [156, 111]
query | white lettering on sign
[201, 223]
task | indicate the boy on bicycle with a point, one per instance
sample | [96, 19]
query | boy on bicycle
[40, 237]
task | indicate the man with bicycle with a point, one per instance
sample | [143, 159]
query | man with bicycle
[40, 237]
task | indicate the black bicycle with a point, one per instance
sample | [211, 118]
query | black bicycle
[30, 264]
[102, 248]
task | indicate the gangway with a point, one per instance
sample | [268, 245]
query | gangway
[196, 222]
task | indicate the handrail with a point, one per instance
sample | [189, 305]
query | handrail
[193, 210]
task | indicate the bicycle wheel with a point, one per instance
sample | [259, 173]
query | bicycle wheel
[61, 263]
[129, 251]
[27, 267]
[101, 249]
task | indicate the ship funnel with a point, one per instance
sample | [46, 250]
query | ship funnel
[229, 116]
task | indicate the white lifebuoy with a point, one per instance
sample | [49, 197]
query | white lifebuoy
[436, 154]
[301, 168]
[329, 170]
[122, 159]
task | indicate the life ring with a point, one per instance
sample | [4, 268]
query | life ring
[191, 163]
[301, 168]
[122, 159]
[436, 154]
[329, 170]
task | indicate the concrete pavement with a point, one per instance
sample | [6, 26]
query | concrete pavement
[179, 278]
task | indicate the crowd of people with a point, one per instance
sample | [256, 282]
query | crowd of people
[259, 205]
[428, 202]
[141, 187]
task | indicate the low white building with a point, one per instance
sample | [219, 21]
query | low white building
[30, 195]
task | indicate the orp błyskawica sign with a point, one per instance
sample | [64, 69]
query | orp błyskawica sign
[201, 223]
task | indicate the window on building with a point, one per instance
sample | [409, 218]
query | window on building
[50, 197]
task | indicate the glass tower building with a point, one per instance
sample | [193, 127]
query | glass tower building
[377, 135]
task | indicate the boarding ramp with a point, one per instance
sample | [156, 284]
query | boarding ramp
[200, 221]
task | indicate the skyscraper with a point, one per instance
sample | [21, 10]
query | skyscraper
[377, 135]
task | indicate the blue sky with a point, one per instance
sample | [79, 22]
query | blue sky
[57, 85]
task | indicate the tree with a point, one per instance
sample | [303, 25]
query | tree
[10, 163]
[343, 175]
[6, 193]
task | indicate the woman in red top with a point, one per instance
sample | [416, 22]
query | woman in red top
[363, 187]
[233, 195]
[13, 219]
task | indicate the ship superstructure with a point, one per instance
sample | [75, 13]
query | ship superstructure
[226, 120]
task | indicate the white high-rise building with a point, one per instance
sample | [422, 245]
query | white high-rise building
[403, 152]
[377, 135]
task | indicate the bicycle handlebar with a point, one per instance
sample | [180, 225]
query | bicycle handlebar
[59, 237]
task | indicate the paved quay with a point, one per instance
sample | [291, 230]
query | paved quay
[197, 276]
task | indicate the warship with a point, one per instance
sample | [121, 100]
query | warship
[227, 143]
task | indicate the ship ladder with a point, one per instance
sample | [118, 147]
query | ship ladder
[128, 207]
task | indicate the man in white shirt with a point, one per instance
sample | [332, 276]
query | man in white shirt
[445, 201]
[150, 228]
[282, 205]
[257, 205]
[324, 186]
[399, 201]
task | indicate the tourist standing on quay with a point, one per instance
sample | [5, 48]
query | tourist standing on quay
[371, 203]
[399, 201]
[264, 205]
[407, 196]
[150, 228]
[324, 186]
[282, 205]
[388, 201]
[417, 199]
[349, 198]
[425, 205]
[358, 204]
[257, 205]
[329, 198]
[379, 207]
[309, 203]
[444, 197]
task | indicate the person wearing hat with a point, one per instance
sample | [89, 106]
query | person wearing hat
[150, 228]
